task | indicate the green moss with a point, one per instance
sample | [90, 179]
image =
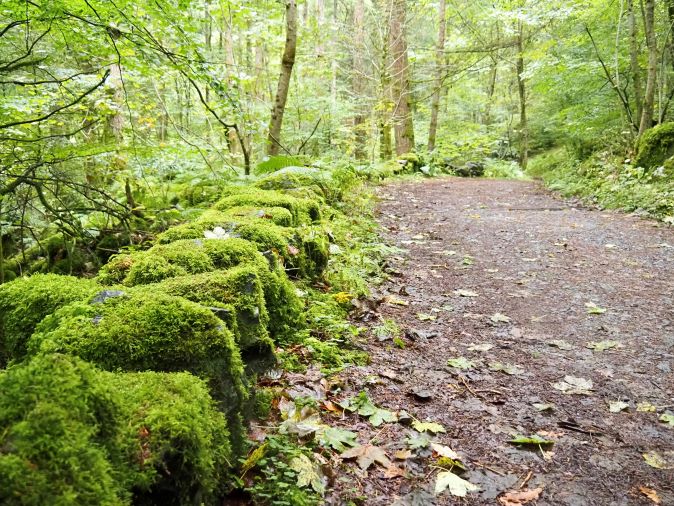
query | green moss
[72, 434]
[276, 215]
[24, 302]
[147, 330]
[264, 398]
[148, 268]
[58, 424]
[655, 146]
[239, 287]
[174, 443]
[410, 162]
[303, 210]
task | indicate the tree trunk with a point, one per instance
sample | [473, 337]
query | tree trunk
[439, 60]
[521, 87]
[403, 124]
[287, 63]
[359, 126]
[651, 76]
[491, 88]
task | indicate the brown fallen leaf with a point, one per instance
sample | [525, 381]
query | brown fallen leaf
[366, 455]
[393, 471]
[330, 406]
[650, 493]
[403, 454]
[518, 497]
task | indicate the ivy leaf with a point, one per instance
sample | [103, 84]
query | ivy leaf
[336, 438]
[432, 427]
[308, 473]
[366, 455]
[457, 486]
[460, 363]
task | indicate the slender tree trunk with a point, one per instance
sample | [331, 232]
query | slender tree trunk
[521, 87]
[491, 88]
[651, 76]
[287, 63]
[635, 71]
[439, 60]
[359, 126]
[403, 124]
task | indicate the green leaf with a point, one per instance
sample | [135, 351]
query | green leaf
[618, 406]
[530, 440]
[425, 317]
[308, 473]
[667, 418]
[460, 363]
[336, 438]
[457, 486]
[592, 308]
[418, 440]
[362, 405]
[432, 427]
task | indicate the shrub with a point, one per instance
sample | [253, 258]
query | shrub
[24, 302]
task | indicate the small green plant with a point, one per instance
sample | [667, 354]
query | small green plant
[388, 329]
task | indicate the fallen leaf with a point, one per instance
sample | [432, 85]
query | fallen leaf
[667, 418]
[308, 473]
[457, 486]
[592, 308]
[618, 406]
[403, 454]
[432, 427]
[445, 451]
[573, 385]
[336, 438]
[481, 347]
[460, 363]
[393, 471]
[655, 460]
[425, 317]
[510, 369]
[603, 345]
[543, 407]
[418, 440]
[650, 493]
[645, 407]
[362, 405]
[499, 318]
[366, 455]
[396, 301]
[562, 345]
[465, 293]
[534, 439]
[518, 497]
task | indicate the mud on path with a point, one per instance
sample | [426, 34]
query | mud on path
[538, 262]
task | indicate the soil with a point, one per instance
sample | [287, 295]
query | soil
[535, 263]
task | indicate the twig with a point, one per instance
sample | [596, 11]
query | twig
[526, 480]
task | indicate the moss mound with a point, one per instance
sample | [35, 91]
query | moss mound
[24, 302]
[303, 210]
[72, 434]
[655, 146]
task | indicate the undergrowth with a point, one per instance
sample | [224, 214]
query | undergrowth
[607, 181]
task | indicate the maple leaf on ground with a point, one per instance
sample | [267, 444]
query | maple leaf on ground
[457, 486]
[308, 473]
[366, 455]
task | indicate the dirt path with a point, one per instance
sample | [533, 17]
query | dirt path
[537, 262]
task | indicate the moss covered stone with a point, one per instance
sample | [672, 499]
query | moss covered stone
[72, 434]
[655, 146]
[24, 302]
[240, 288]
[146, 330]
[303, 210]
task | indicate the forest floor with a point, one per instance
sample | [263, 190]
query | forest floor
[521, 291]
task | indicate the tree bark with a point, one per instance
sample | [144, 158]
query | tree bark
[521, 87]
[439, 60]
[651, 76]
[635, 71]
[359, 126]
[287, 63]
[403, 124]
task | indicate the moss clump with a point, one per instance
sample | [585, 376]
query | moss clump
[410, 162]
[240, 288]
[291, 179]
[174, 444]
[303, 210]
[72, 434]
[655, 146]
[276, 215]
[146, 330]
[57, 423]
[24, 302]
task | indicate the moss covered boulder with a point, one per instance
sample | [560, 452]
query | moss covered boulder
[72, 434]
[304, 210]
[655, 146]
[25, 302]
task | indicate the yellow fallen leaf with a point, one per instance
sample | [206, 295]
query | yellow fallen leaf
[650, 493]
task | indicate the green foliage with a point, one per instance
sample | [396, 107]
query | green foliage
[606, 180]
[655, 146]
[274, 163]
[26, 301]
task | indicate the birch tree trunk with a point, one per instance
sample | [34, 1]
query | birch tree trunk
[287, 63]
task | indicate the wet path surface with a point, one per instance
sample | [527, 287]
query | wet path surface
[551, 316]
